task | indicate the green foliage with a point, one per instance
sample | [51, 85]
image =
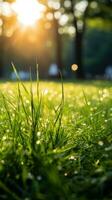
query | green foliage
[97, 61]
[55, 141]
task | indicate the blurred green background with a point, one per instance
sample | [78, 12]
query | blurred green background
[63, 32]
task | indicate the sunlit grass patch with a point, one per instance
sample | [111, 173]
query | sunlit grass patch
[55, 143]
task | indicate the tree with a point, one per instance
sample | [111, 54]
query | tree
[53, 10]
[81, 11]
[1, 41]
[6, 23]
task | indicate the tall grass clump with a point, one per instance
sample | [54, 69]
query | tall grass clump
[27, 138]
[55, 143]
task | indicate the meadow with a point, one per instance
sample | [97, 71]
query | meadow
[56, 140]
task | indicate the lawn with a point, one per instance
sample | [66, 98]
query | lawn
[56, 140]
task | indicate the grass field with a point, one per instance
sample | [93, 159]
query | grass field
[56, 141]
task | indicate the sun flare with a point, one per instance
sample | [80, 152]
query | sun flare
[27, 11]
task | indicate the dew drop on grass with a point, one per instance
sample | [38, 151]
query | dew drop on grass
[2, 161]
[88, 103]
[38, 133]
[101, 143]
[4, 138]
[27, 101]
[38, 142]
[72, 158]
[101, 99]
[84, 124]
[45, 92]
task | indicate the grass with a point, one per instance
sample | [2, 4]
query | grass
[55, 143]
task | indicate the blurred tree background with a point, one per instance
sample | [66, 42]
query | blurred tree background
[67, 32]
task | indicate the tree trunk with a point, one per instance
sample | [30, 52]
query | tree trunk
[79, 54]
[1, 56]
[2, 41]
[58, 46]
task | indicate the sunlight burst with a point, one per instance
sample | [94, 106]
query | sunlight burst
[28, 12]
